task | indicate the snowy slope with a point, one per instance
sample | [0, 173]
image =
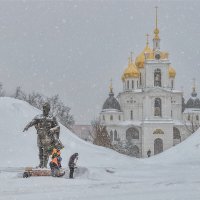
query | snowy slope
[15, 144]
[106, 174]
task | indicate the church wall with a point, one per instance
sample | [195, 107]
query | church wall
[131, 101]
[177, 106]
[149, 71]
[149, 105]
[148, 137]
[111, 117]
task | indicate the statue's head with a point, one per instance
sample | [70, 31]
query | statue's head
[76, 154]
[46, 109]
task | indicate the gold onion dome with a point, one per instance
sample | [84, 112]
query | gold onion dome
[139, 61]
[131, 71]
[171, 72]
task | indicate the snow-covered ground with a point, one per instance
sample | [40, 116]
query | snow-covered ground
[105, 174]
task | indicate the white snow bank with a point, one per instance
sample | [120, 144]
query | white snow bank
[20, 149]
[104, 173]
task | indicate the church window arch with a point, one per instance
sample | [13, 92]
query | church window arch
[119, 117]
[111, 117]
[128, 84]
[197, 117]
[172, 84]
[176, 133]
[132, 133]
[111, 135]
[157, 77]
[131, 115]
[188, 117]
[103, 118]
[132, 84]
[158, 146]
[115, 135]
[140, 79]
[157, 107]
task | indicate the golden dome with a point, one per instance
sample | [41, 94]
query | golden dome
[139, 61]
[131, 71]
[171, 72]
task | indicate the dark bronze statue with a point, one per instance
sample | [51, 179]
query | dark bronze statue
[48, 131]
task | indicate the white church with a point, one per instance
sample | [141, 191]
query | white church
[149, 112]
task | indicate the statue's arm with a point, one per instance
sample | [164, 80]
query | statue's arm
[32, 123]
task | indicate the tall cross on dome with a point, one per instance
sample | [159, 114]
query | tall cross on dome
[194, 84]
[111, 88]
[132, 56]
[147, 35]
[156, 16]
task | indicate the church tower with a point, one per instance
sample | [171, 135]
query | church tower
[150, 109]
[162, 104]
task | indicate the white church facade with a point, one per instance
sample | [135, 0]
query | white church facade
[149, 111]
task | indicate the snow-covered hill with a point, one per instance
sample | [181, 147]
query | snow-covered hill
[20, 148]
[173, 174]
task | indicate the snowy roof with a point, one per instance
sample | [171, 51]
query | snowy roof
[192, 110]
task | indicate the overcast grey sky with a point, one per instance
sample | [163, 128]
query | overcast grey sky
[74, 48]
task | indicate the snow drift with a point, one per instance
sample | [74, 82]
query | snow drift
[173, 174]
[20, 149]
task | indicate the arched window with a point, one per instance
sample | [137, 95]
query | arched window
[128, 85]
[189, 117]
[197, 117]
[111, 135]
[158, 146]
[172, 84]
[119, 117]
[157, 107]
[137, 85]
[176, 133]
[157, 77]
[132, 84]
[132, 133]
[111, 117]
[115, 135]
[131, 115]
[140, 79]
[103, 117]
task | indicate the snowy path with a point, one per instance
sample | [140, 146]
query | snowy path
[144, 182]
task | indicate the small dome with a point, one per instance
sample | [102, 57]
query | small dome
[171, 72]
[111, 102]
[131, 71]
[193, 101]
[139, 61]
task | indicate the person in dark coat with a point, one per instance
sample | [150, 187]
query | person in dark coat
[149, 153]
[72, 164]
